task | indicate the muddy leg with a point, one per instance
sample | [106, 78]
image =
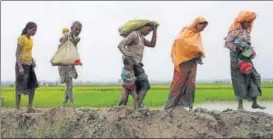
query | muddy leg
[65, 99]
[190, 109]
[135, 96]
[18, 100]
[255, 105]
[65, 95]
[141, 97]
[240, 104]
[30, 101]
[70, 91]
[126, 99]
[123, 96]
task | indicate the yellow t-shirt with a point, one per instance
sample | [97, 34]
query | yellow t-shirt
[26, 48]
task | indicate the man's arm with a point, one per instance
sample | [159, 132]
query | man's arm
[151, 43]
[132, 37]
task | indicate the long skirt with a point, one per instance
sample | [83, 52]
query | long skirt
[27, 82]
[246, 86]
[182, 89]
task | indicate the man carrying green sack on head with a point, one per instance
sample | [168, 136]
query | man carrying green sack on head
[132, 46]
[133, 25]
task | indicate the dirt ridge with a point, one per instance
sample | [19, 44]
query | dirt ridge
[123, 122]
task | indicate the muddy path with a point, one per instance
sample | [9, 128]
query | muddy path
[123, 122]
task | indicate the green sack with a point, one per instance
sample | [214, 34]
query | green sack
[247, 53]
[67, 54]
[133, 25]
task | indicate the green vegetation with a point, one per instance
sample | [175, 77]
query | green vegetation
[109, 95]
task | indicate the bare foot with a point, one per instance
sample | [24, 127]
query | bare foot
[241, 109]
[19, 110]
[257, 106]
[63, 106]
[166, 113]
[143, 107]
[190, 109]
[77, 110]
[32, 110]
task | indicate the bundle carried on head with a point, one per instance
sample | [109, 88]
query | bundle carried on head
[133, 25]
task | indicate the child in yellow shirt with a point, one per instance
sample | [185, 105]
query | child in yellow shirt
[26, 81]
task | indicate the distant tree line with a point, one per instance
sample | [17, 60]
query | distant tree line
[57, 83]
[222, 82]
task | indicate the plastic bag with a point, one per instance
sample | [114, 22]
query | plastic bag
[240, 43]
[133, 25]
[67, 54]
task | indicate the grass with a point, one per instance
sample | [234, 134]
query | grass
[108, 95]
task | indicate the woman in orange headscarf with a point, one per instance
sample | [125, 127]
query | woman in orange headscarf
[246, 80]
[187, 52]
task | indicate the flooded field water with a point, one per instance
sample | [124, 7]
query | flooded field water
[233, 105]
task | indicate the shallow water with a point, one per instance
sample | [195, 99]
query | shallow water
[247, 106]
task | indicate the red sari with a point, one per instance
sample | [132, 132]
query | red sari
[182, 89]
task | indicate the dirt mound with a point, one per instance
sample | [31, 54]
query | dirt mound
[122, 122]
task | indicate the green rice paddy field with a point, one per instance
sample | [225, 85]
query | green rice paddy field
[108, 95]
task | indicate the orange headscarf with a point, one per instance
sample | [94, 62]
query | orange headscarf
[188, 44]
[248, 16]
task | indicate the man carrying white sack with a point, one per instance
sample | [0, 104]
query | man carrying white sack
[68, 72]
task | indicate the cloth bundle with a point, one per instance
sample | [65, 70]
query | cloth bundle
[67, 54]
[133, 25]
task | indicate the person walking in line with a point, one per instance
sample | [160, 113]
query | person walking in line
[246, 82]
[68, 72]
[128, 86]
[133, 46]
[187, 52]
[26, 80]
